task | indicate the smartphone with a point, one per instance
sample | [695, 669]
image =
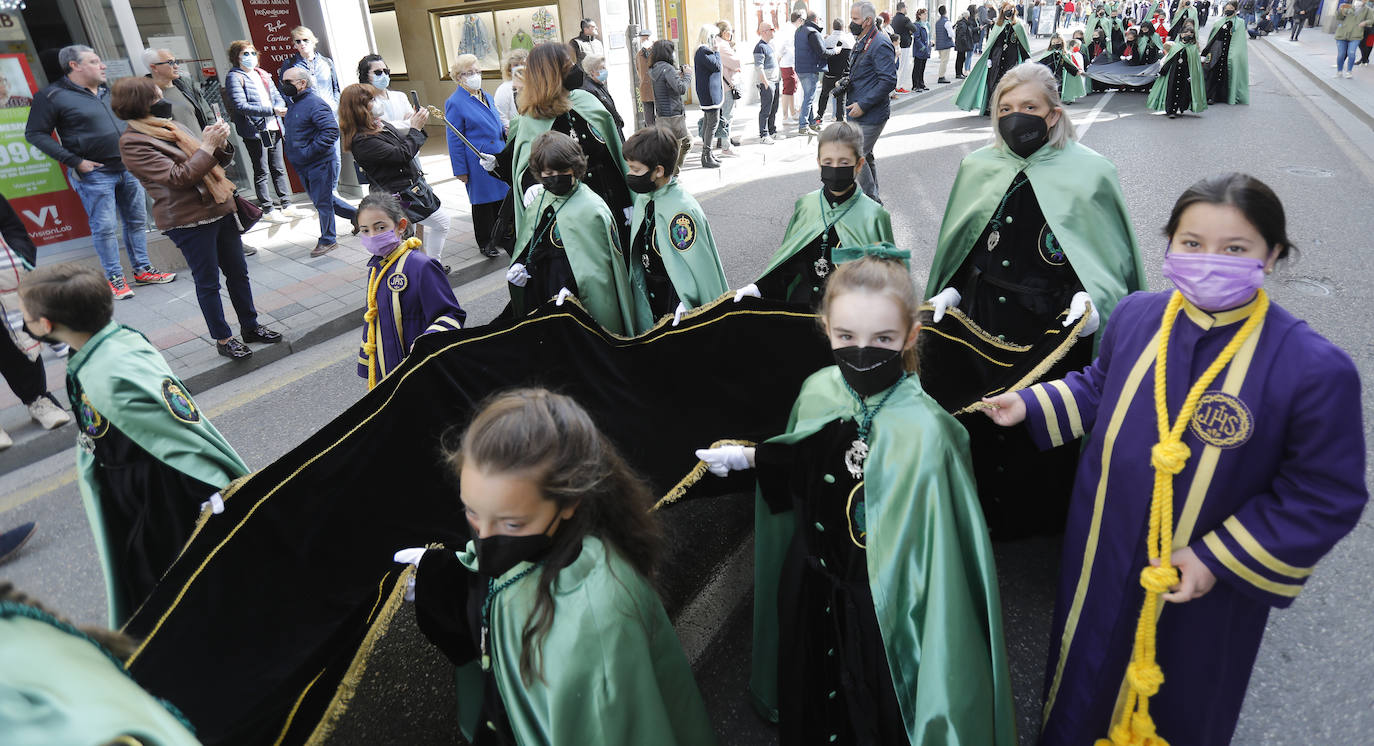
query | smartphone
[415, 100]
[219, 117]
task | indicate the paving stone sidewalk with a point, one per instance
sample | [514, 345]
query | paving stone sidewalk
[1314, 53]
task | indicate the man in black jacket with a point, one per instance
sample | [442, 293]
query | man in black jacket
[77, 106]
[905, 29]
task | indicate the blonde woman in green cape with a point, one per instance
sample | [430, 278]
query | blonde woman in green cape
[550, 611]
[876, 611]
[1007, 47]
[1035, 236]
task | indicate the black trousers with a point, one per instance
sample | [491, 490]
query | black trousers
[26, 377]
[827, 87]
[918, 73]
[209, 250]
[959, 63]
[483, 219]
[768, 109]
[1364, 51]
[265, 155]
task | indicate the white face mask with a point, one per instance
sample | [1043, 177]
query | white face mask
[472, 81]
[378, 108]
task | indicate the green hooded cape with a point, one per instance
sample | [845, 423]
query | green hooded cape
[1108, 23]
[1188, 13]
[590, 239]
[974, 93]
[1071, 84]
[125, 382]
[865, 223]
[524, 129]
[1080, 195]
[683, 238]
[930, 568]
[1159, 92]
[59, 686]
[613, 669]
[1238, 82]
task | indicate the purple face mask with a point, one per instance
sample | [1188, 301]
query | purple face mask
[381, 244]
[1214, 282]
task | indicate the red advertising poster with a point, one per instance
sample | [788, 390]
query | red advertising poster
[269, 24]
[35, 185]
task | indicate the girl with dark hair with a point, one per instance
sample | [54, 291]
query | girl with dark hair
[1226, 433]
[408, 293]
[876, 611]
[580, 256]
[550, 610]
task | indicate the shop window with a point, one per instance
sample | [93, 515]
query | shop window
[389, 45]
[491, 34]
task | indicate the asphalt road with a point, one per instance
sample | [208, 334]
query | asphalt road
[1313, 679]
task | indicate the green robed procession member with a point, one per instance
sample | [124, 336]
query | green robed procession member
[1035, 235]
[550, 610]
[1113, 30]
[147, 458]
[876, 611]
[577, 257]
[1186, 14]
[552, 99]
[1007, 47]
[1179, 87]
[673, 260]
[1228, 56]
[1066, 72]
[61, 684]
[838, 214]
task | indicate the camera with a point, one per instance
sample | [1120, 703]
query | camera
[842, 84]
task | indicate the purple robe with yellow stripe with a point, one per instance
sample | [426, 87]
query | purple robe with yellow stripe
[1275, 478]
[414, 298]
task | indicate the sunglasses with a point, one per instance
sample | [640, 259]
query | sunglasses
[383, 71]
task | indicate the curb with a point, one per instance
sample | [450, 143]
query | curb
[1321, 83]
[32, 446]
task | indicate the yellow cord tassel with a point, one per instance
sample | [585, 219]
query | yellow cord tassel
[370, 318]
[1168, 456]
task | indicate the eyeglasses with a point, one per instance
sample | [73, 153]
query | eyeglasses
[167, 62]
[383, 71]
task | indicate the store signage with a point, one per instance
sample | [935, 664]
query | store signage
[269, 25]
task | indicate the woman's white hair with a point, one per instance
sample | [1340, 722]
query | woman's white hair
[707, 36]
[1038, 76]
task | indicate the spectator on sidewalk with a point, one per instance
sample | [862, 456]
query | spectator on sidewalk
[787, 63]
[730, 81]
[706, 65]
[944, 41]
[594, 79]
[20, 361]
[839, 44]
[587, 42]
[872, 76]
[77, 106]
[809, 61]
[513, 72]
[324, 76]
[905, 30]
[180, 101]
[768, 80]
[1303, 11]
[920, 52]
[373, 71]
[256, 106]
[193, 204]
[311, 144]
[644, 83]
[964, 31]
[473, 112]
[1351, 27]
[670, 85]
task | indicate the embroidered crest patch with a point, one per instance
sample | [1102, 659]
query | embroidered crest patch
[178, 403]
[92, 424]
[397, 282]
[682, 231]
[1222, 420]
[1050, 250]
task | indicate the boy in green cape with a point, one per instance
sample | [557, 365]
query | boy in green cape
[147, 457]
[1179, 87]
[673, 260]
[839, 214]
[576, 257]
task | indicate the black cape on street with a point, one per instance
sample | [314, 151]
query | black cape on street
[261, 629]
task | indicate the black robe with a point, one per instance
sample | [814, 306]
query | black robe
[1218, 83]
[658, 286]
[1005, 53]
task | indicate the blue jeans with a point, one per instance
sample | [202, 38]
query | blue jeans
[805, 117]
[1345, 54]
[1249, 21]
[209, 250]
[320, 179]
[113, 199]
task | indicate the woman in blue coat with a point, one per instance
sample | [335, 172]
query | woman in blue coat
[473, 112]
[710, 93]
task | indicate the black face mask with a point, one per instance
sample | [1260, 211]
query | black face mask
[1230, 12]
[496, 555]
[574, 79]
[856, 28]
[641, 184]
[560, 184]
[1023, 133]
[1187, 38]
[838, 179]
[869, 370]
[1007, 14]
[1056, 46]
[289, 90]
[163, 108]
[40, 337]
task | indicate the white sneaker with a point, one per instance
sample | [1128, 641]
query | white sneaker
[768, 140]
[47, 414]
[5, 440]
[1349, 74]
[728, 153]
[295, 213]
[1339, 74]
[276, 216]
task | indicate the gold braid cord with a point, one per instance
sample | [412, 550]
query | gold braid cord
[370, 318]
[1168, 456]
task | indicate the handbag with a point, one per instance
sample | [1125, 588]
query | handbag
[418, 200]
[246, 213]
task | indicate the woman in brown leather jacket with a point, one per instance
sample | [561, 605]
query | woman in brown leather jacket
[193, 204]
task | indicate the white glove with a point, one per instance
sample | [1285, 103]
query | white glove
[751, 290]
[677, 313]
[1077, 305]
[943, 301]
[533, 193]
[410, 557]
[563, 295]
[725, 459]
[517, 275]
[215, 504]
[488, 162]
